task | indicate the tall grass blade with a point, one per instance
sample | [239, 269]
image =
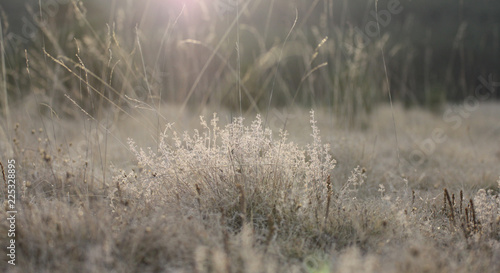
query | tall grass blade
[388, 85]
[3, 87]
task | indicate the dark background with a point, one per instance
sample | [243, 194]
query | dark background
[435, 50]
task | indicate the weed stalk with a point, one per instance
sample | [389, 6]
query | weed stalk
[4, 78]
[447, 198]
[328, 198]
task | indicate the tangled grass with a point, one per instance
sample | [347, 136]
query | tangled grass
[237, 199]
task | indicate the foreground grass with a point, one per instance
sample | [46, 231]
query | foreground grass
[235, 197]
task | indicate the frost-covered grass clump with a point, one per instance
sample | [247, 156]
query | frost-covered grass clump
[240, 169]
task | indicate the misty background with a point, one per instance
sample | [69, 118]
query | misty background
[195, 52]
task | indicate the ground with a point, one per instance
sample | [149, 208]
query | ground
[423, 199]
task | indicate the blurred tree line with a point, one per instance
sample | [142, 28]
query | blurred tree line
[436, 50]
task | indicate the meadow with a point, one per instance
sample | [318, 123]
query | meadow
[247, 136]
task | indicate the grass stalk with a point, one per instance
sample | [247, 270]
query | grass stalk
[388, 86]
[3, 85]
[450, 203]
[329, 199]
[3, 175]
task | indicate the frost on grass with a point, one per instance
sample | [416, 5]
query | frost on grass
[488, 210]
[214, 164]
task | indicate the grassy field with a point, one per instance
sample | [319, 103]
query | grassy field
[218, 145]
[238, 198]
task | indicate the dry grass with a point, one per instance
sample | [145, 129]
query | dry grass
[238, 198]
